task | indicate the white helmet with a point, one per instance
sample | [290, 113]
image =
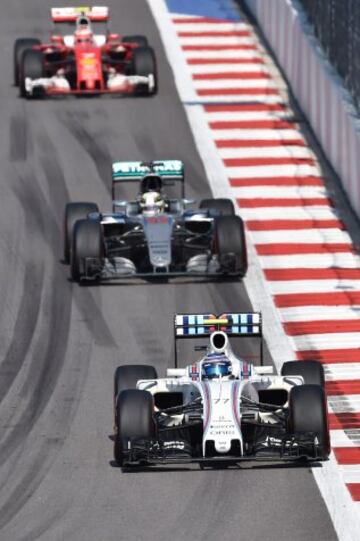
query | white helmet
[152, 203]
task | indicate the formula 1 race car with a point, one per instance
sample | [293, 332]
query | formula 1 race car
[79, 60]
[153, 235]
[220, 408]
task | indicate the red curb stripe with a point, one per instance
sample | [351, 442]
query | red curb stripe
[331, 356]
[317, 299]
[347, 455]
[277, 181]
[219, 48]
[277, 225]
[249, 162]
[237, 91]
[258, 143]
[274, 275]
[215, 34]
[354, 489]
[205, 61]
[258, 202]
[230, 75]
[299, 328]
[252, 125]
[243, 107]
[344, 420]
[342, 387]
[233, 162]
[303, 248]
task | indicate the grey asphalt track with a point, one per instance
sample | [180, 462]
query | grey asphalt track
[60, 343]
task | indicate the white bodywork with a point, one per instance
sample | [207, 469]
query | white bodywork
[223, 398]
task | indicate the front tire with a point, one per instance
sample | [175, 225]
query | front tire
[308, 414]
[32, 67]
[230, 245]
[73, 213]
[20, 46]
[134, 421]
[144, 64]
[87, 242]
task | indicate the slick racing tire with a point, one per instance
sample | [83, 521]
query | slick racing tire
[230, 245]
[144, 63]
[308, 414]
[73, 213]
[134, 420]
[142, 41]
[219, 207]
[87, 242]
[127, 376]
[20, 46]
[32, 66]
[311, 371]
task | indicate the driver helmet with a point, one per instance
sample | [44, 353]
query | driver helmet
[83, 33]
[151, 183]
[152, 203]
[216, 366]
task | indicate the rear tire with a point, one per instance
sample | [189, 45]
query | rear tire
[144, 64]
[311, 371]
[20, 46]
[230, 245]
[32, 67]
[127, 376]
[87, 241]
[142, 41]
[134, 420]
[308, 413]
[73, 213]
[220, 207]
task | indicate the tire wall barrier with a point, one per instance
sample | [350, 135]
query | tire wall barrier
[316, 86]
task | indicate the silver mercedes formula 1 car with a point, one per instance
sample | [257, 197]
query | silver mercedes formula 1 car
[153, 235]
[220, 408]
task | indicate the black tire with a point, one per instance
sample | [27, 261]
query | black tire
[20, 46]
[308, 413]
[311, 371]
[32, 66]
[134, 420]
[73, 213]
[230, 245]
[144, 63]
[87, 241]
[142, 41]
[220, 207]
[127, 376]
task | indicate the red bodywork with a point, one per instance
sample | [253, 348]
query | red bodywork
[86, 64]
[88, 60]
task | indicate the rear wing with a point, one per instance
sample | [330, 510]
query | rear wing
[239, 324]
[170, 171]
[71, 14]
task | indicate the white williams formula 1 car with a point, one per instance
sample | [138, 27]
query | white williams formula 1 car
[219, 408]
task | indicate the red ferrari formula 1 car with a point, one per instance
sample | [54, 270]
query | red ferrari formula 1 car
[83, 60]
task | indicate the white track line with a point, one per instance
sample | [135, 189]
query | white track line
[306, 236]
[324, 261]
[318, 313]
[266, 152]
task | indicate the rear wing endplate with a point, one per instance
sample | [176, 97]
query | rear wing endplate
[71, 14]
